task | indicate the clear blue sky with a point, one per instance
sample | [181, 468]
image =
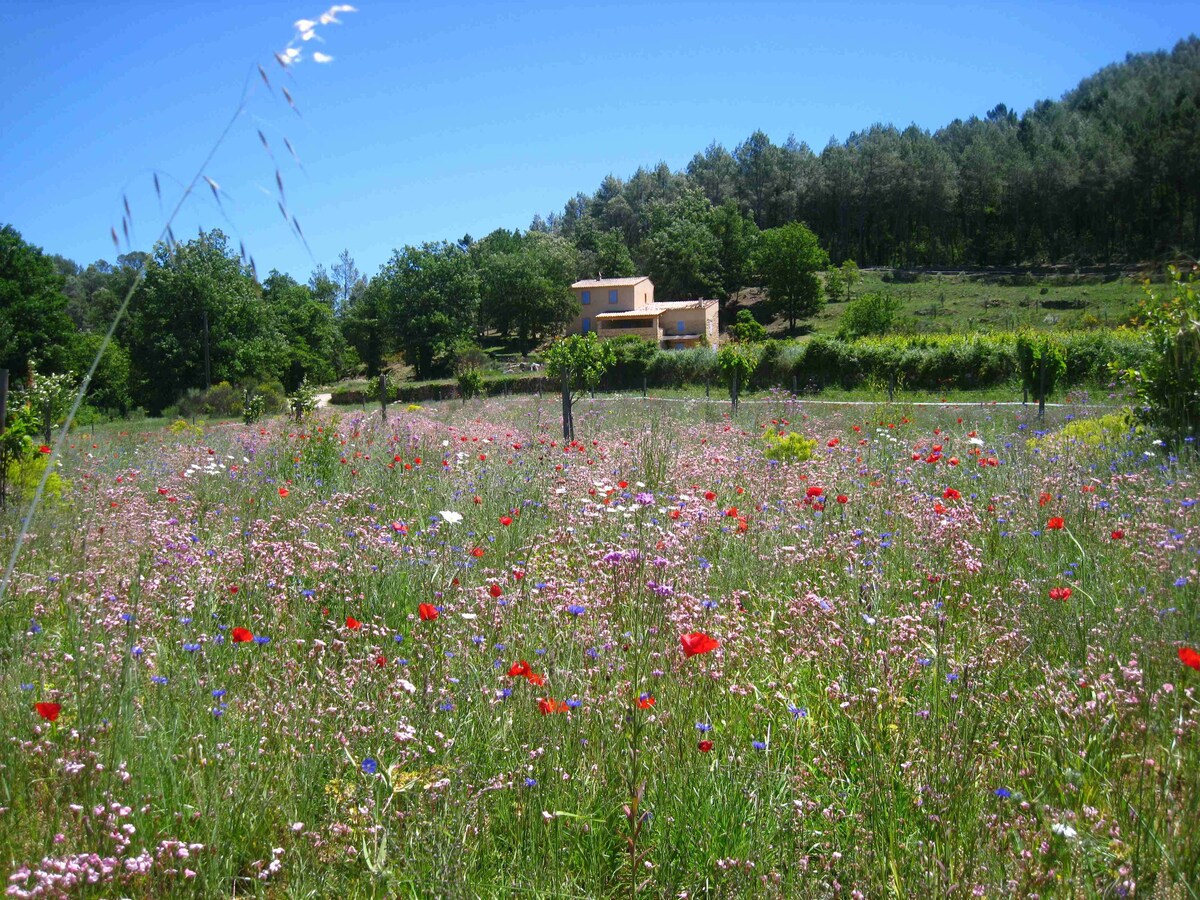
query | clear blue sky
[439, 119]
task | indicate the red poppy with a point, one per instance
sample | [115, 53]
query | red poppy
[842, 498]
[381, 661]
[1188, 656]
[709, 495]
[1060, 593]
[506, 521]
[731, 512]
[535, 678]
[814, 491]
[283, 492]
[50, 711]
[427, 611]
[1055, 524]
[477, 552]
[1117, 535]
[951, 494]
[495, 590]
[674, 514]
[352, 623]
[519, 669]
[622, 484]
[704, 746]
[549, 705]
[697, 642]
[1044, 498]
[233, 589]
[242, 635]
[645, 701]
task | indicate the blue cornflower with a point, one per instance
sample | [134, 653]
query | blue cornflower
[1002, 792]
[159, 679]
[370, 766]
[127, 617]
[703, 727]
[504, 693]
[446, 705]
[798, 712]
[1181, 581]
[399, 639]
[576, 610]
[26, 686]
[758, 745]
[261, 639]
[530, 782]
[574, 704]
[34, 627]
[136, 651]
[219, 693]
[952, 677]
[191, 648]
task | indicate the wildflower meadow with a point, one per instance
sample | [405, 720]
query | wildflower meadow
[939, 651]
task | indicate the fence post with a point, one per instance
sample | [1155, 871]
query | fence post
[383, 395]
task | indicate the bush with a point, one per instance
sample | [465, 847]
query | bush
[470, 383]
[869, 314]
[789, 447]
[746, 328]
[1169, 381]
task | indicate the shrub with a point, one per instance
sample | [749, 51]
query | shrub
[470, 383]
[789, 447]
[1169, 381]
[869, 314]
[746, 328]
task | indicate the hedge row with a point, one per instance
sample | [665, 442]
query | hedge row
[922, 362]
[446, 389]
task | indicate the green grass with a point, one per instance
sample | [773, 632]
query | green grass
[981, 302]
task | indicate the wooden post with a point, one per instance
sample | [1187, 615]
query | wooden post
[643, 387]
[383, 395]
[793, 384]
[733, 389]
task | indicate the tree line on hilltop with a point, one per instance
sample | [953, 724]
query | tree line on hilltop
[1105, 175]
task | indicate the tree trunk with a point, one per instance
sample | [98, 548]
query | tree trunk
[568, 424]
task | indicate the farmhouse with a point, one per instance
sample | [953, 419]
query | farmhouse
[612, 307]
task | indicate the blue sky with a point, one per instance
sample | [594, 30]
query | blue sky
[438, 120]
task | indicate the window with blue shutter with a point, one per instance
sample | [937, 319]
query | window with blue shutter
[680, 324]
[587, 325]
[586, 297]
[612, 296]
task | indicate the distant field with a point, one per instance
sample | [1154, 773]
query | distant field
[988, 302]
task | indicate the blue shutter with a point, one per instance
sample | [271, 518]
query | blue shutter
[587, 297]
[612, 296]
[680, 324]
[587, 325]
